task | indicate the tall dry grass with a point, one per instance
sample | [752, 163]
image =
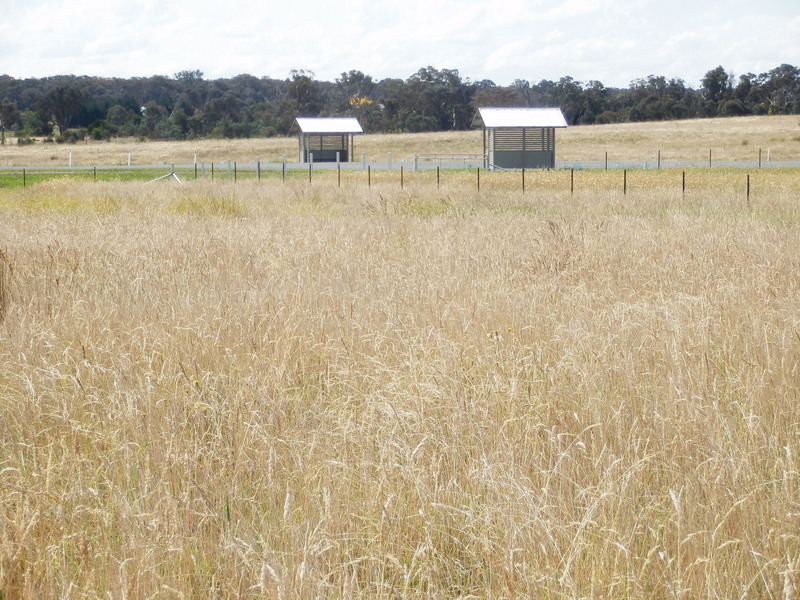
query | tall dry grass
[293, 391]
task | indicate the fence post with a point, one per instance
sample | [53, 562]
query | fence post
[369, 176]
[759, 158]
[23, 178]
[523, 181]
[309, 171]
[338, 173]
[572, 181]
[606, 160]
[709, 157]
[258, 169]
[748, 188]
[437, 177]
[479, 178]
[401, 177]
[624, 181]
[683, 184]
[658, 162]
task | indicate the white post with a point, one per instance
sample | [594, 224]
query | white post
[70, 158]
[129, 158]
[390, 161]
[195, 157]
[337, 158]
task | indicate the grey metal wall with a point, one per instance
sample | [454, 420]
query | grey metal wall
[524, 147]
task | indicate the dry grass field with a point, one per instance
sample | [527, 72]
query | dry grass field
[305, 391]
[778, 137]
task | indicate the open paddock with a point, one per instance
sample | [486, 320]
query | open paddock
[774, 138]
[275, 389]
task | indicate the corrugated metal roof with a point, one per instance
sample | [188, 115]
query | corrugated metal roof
[494, 118]
[328, 125]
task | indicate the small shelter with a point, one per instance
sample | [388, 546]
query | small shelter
[519, 138]
[327, 139]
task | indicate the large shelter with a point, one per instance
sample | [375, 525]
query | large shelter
[327, 139]
[519, 138]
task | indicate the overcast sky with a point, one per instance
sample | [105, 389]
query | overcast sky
[611, 41]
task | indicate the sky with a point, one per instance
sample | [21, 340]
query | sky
[611, 41]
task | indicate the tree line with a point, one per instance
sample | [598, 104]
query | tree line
[187, 106]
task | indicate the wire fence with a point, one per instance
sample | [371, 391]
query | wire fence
[745, 178]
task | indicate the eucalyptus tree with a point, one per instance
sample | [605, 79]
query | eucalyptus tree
[60, 105]
[9, 117]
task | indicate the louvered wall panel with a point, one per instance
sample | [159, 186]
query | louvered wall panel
[518, 140]
[326, 142]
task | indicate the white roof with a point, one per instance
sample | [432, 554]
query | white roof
[494, 118]
[329, 125]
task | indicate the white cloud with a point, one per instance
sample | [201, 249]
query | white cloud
[613, 41]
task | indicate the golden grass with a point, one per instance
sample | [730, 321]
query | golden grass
[302, 391]
[729, 139]
[4, 276]
[737, 139]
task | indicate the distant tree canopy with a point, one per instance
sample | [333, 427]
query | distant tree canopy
[187, 106]
[9, 117]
